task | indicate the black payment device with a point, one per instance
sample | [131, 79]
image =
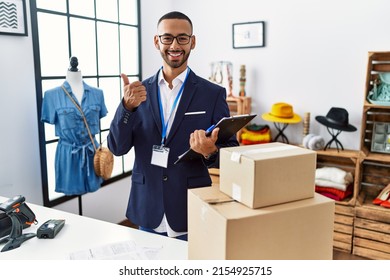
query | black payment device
[50, 228]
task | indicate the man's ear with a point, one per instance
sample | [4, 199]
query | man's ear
[193, 42]
[156, 42]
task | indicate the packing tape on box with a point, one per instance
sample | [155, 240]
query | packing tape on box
[236, 156]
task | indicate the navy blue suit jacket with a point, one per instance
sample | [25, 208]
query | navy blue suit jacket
[156, 190]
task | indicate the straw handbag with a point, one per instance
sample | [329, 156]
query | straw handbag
[103, 160]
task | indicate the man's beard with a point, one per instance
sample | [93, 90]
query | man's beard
[176, 63]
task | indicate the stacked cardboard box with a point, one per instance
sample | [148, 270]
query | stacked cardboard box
[267, 174]
[265, 208]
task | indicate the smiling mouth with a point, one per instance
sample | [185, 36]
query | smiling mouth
[175, 54]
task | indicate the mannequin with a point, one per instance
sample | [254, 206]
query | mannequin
[74, 170]
[75, 79]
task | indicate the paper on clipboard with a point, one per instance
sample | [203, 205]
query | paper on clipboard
[228, 126]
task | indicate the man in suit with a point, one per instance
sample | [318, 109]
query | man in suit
[161, 118]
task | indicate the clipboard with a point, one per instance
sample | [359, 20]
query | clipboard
[228, 126]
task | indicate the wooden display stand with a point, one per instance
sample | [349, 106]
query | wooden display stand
[239, 105]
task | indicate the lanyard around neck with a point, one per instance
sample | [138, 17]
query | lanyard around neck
[165, 124]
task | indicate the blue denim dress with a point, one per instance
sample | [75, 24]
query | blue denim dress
[74, 170]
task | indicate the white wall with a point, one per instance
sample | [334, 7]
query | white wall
[19, 160]
[315, 59]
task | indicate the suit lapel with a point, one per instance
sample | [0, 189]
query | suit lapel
[153, 102]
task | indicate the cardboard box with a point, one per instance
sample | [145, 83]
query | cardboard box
[267, 174]
[223, 229]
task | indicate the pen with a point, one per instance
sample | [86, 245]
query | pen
[210, 128]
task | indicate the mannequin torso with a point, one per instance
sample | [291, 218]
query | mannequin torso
[75, 80]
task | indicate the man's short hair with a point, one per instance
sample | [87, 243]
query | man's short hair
[175, 15]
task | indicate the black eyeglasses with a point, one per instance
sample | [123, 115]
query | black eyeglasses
[180, 39]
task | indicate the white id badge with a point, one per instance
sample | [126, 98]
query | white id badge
[160, 156]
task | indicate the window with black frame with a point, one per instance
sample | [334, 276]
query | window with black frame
[104, 35]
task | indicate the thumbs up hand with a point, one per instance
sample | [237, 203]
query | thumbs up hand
[133, 93]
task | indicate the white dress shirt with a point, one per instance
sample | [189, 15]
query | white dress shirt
[168, 96]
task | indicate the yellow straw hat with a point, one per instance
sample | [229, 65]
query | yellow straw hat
[282, 113]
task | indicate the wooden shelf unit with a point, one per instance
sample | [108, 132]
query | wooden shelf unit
[361, 227]
[372, 223]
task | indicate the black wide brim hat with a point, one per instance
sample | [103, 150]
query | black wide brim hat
[337, 118]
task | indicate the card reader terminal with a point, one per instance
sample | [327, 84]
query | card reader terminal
[50, 228]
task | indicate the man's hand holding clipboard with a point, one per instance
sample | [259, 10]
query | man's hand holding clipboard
[227, 127]
[203, 141]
